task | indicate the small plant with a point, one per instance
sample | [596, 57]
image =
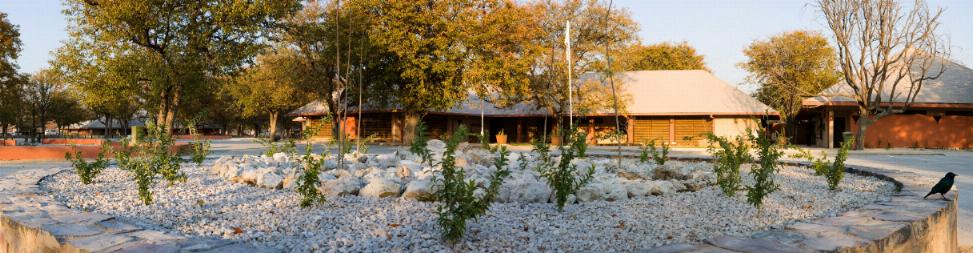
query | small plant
[307, 183]
[522, 161]
[458, 200]
[152, 156]
[543, 150]
[200, 145]
[728, 156]
[88, 171]
[659, 156]
[418, 146]
[580, 142]
[836, 172]
[644, 152]
[562, 178]
[768, 156]
[363, 147]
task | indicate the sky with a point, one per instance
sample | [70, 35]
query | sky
[718, 29]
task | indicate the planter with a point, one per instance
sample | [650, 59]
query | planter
[501, 139]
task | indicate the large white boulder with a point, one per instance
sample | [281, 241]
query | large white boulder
[249, 175]
[637, 188]
[524, 187]
[340, 186]
[380, 188]
[384, 160]
[421, 189]
[662, 187]
[269, 179]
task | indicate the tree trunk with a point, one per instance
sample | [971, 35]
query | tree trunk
[108, 127]
[864, 120]
[409, 128]
[273, 126]
[171, 114]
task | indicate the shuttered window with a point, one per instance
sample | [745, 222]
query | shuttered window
[688, 132]
[648, 129]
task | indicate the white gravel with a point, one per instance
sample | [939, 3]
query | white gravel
[207, 205]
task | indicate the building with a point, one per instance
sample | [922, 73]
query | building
[676, 107]
[941, 116]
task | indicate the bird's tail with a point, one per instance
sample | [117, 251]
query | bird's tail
[927, 195]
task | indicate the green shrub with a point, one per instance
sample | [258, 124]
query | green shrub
[833, 172]
[644, 153]
[457, 199]
[768, 156]
[837, 170]
[418, 146]
[659, 156]
[88, 171]
[543, 150]
[152, 156]
[580, 142]
[363, 147]
[522, 161]
[562, 178]
[728, 157]
[200, 145]
[307, 183]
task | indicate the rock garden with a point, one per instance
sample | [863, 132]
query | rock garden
[423, 198]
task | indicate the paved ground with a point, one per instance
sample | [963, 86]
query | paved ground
[930, 163]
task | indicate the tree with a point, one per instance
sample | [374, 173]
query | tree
[662, 56]
[548, 75]
[268, 88]
[788, 67]
[66, 108]
[10, 81]
[39, 95]
[190, 40]
[885, 52]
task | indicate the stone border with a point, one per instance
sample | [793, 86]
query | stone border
[34, 222]
[31, 221]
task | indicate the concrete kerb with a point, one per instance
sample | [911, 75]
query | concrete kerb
[33, 222]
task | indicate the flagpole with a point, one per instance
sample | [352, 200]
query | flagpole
[567, 54]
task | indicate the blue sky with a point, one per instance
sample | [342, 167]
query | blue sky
[719, 29]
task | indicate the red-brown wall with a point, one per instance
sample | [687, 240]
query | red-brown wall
[918, 130]
[70, 141]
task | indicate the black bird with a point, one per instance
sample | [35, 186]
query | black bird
[943, 186]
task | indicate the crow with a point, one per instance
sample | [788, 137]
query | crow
[943, 186]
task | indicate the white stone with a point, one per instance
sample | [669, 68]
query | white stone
[269, 180]
[380, 187]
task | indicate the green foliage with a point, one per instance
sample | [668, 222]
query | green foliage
[659, 156]
[363, 148]
[307, 183]
[580, 142]
[522, 161]
[200, 145]
[152, 156]
[662, 56]
[836, 172]
[563, 178]
[788, 67]
[458, 200]
[768, 155]
[88, 171]
[543, 150]
[418, 146]
[288, 146]
[644, 153]
[832, 171]
[728, 156]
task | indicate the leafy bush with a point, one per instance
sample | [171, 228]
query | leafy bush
[644, 153]
[152, 156]
[418, 146]
[363, 148]
[458, 200]
[522, 161]
[200, 145]
[543, 150]
[88, 171]
[562, 178]
[288, 147]
[768, 155]
[836, 172]
[307, 183]
[580, 142]
[728, 156]
[833, 172]
[659, 156]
